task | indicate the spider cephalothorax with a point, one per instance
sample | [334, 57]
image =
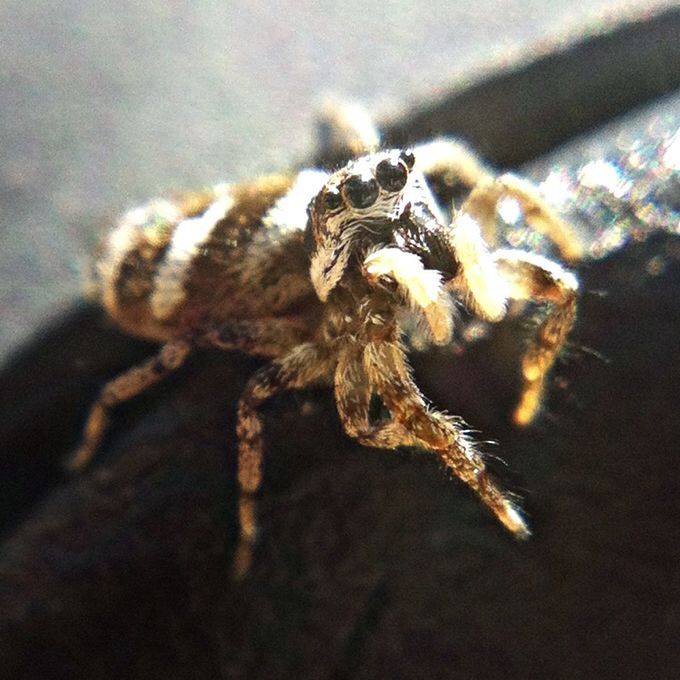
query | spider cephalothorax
[359, 205]
[317, 272]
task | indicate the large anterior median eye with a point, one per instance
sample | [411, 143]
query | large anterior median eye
[361, 193]
[391, 174]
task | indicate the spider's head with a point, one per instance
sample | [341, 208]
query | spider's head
[356, 206]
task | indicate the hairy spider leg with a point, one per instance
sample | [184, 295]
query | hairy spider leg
[266, 337]
[353, 392]
[122, 388]
[478, 282]
[389, 374]
[344, 130]
[482, 204]
[533, 277]
[448, 162]
[305, 365]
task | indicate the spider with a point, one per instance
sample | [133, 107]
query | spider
[321, 272]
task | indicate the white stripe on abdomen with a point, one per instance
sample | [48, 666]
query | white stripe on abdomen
[190, 234]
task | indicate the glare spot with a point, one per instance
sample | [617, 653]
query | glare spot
[655, 266]
[601, 174]
[671, 156]
[510, 211]
[557, 188]
[609, 240]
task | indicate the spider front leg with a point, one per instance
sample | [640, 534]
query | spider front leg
[122, 388]
[345, 130]
[446, 162]
[303, 366]
[482, 205]
[485, 282]
[388, 373]
[353, 392]
[532, 277]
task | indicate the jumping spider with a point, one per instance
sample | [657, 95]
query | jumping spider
[317, 272]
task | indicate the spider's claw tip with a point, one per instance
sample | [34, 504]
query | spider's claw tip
[242, 560]
[77, 461]
[513, 520]
[527, 409]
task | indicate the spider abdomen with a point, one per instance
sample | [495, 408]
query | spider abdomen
[233, 251]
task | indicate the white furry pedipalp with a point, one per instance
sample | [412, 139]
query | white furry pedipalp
[487, 291]
[422, 287]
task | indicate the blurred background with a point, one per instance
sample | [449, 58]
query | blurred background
[104, 104]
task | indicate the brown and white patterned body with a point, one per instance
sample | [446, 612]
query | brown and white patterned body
[182, 267]
[317, 271]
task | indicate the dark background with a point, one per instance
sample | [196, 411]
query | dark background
[371, 564]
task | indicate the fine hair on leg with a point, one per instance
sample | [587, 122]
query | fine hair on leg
[304, 366]
[267, 337]
[533, 277]
[389, 373]
[122, 388]
[353, 393]
[482, 205]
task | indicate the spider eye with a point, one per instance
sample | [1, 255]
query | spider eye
[408, 158]
[361, 193]
[391, 175]
[332, 199]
